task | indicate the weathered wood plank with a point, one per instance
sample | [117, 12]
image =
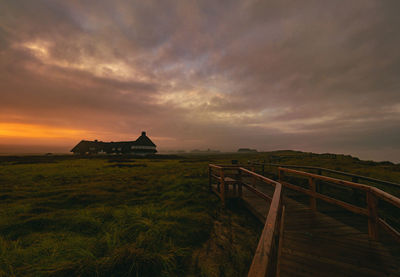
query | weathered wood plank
[257, 192]
[325, 178]
[313, 243]
[328, 199]
[282, 223]
[259, 265]
[386, 196]
[321, 169]
[259, 177]
[389, 229]
[313, 201]
[372, 215]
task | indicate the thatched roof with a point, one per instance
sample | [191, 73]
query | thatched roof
[109, 147]
[144, 140]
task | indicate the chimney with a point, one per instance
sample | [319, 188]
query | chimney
[143, 133]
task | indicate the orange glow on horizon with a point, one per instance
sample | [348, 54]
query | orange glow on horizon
[34, 131]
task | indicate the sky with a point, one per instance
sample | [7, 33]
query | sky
[318, 76]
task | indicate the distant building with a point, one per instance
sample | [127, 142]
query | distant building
[142, 146]
[246, 150]
[205, 151]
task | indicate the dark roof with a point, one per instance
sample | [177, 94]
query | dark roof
[144, 140]
[85, 145]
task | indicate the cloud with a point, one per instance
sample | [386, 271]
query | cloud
[314, 76]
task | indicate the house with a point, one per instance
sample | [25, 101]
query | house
[142, 146]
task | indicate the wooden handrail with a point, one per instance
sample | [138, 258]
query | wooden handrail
[325, 178]
[262, 264]
[386, 196]
[257, 192]
[378, 192]
[347, 206]
[322, 169]
[266, 257]
[214, 166]
[372, 193]
[259, 177]
[226, 166]
[390, 229]
[261, 259]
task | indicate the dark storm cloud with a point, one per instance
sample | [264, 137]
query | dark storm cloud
[312, 75]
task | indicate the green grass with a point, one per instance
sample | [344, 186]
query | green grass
[99, 217]
[66, 216]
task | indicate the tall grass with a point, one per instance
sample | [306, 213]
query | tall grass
[63, 216]
[89, 218]
[94, 217]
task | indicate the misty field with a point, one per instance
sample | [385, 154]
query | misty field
[123, 216]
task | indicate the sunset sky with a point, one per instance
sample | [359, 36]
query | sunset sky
[320, 76]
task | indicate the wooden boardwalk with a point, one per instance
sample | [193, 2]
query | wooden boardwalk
[316, 244]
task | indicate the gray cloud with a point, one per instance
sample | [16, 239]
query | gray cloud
[315, 76]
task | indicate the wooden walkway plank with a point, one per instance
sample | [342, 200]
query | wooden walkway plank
[320, 240]
[323, 246]
[315, 244]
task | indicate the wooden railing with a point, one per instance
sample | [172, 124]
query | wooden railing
[373, 195]
[320, 171]
[230, 182]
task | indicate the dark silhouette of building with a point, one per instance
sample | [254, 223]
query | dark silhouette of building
[246, 150]
[142, 146]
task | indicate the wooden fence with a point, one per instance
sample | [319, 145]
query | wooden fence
[373, 195]
[321, 171]
[229, 181]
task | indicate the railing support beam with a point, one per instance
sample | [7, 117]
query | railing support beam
[239, 180]
[222, 192]
[372, 203]
[209, 178]
[313, 200]
[280, 175]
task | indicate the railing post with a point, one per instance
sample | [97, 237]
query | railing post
[253, 182]
[280, 175]
[209, 178]
[234, 189]
[356, 195]
[313, 201]
[263, 169]
[372, 203]
[222, 192]
[281, 226]
[239, 179]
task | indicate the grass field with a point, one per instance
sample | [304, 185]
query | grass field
[119, 217]
[113, 216]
